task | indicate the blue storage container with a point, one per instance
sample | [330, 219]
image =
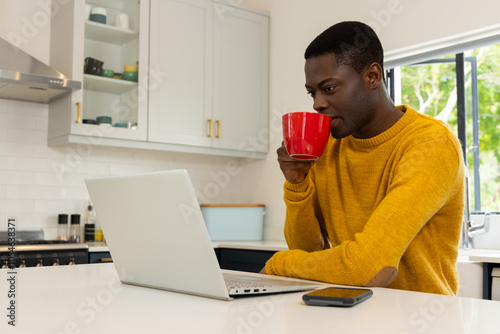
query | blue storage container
[234, 221]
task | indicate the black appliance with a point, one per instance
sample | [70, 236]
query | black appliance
[31, 250]
[40, 255]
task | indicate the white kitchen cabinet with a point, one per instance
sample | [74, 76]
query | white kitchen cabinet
[181, 104]
[74, 38]
[241, 79]
[204, 90]
[216, 92]
[470, 277]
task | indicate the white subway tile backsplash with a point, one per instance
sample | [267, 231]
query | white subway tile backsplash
[93, 168]
[105, 154]
[4, 163]
[17, 149]
[15, 206]
[50, 153]
[74, 164]
[32, 110]
[33, 192]
[54, 207]
[42, 124]
[37, 192]
[51, 179]
[27, 136]
[70, 155]
[159, 160]
[29, 164]
[23, 221]
[36, 221]
[9, 177]
[187, 161]
[17, 122]
[116, 169]
[75, 193]
[38, 182]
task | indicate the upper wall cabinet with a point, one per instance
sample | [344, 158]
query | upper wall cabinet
[205, 89]
[216, 91]
[122, 101]
[180, 105]
[240, 88]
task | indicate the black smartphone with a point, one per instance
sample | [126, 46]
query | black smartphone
[344, 297]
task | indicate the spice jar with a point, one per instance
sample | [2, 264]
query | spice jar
[74, 231]
[62, 229]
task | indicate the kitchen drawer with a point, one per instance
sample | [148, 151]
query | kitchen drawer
[243, 260]
[488, 279]
[495, 284]
[100, 257]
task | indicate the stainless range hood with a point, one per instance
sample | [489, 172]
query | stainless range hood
[25, 78]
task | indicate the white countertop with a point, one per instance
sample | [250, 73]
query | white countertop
[266, 245]
[482, 255]
[97, 247]
[473, 255]
[90, 299]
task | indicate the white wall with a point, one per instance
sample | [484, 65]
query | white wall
[27, 25]
[294, 23]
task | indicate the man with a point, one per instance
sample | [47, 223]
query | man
[383, 205]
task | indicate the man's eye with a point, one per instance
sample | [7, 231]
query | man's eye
[311, 93]
[329, 89]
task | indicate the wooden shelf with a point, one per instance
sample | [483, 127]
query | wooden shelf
[104, 84]
[108, 34]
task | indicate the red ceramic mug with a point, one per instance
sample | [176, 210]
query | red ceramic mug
[305, 134]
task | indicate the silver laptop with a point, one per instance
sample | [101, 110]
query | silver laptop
[157, 238]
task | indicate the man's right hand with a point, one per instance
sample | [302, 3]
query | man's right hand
[294, 170]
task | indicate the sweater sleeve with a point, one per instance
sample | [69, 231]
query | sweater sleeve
[303, 219]
[425, 178]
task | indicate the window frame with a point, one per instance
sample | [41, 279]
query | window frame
[459, 61]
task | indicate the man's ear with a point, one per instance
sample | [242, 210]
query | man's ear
[374, 75]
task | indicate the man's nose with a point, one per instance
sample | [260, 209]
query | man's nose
[320, 103]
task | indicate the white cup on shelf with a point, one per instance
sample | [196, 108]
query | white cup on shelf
[122, 21]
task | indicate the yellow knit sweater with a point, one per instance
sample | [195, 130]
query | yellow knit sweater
[392, 201]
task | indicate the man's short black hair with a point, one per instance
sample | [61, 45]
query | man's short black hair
[353, 43]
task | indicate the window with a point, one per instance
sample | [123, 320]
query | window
[463, 90]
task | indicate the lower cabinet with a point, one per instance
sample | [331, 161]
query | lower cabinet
[243, 259]
[488, 279]
[231, 259]
[100, 257]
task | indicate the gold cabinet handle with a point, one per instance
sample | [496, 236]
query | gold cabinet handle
[218, 129]
[78, 112]
[211, 128]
